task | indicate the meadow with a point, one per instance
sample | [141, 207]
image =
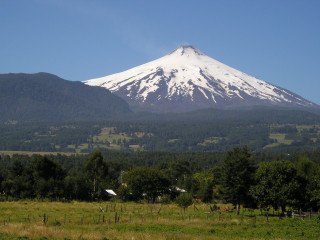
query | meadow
[117, 221]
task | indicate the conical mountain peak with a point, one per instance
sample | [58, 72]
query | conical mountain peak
[187, 79]
[187, 50]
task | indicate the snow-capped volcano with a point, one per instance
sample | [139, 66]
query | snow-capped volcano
[187, 79]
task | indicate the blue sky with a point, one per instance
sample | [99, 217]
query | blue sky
[277, 41]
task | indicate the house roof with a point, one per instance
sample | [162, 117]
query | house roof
[110, 192]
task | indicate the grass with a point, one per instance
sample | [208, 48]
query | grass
[108, 134]
[281, 139]
[82, 220]
[213, 140]
[107, 139]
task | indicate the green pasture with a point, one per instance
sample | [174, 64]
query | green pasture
[108, 134]
[117, 221]
[211, 140]
[280, 139]
[107, 139]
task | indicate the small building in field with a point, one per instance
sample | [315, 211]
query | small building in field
[110, 193]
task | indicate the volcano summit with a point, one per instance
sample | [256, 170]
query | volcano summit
[187, 79]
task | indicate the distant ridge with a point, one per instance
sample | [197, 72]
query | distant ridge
[187, 79]
[43, 96]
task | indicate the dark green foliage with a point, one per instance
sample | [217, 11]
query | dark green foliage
[184, 200]
[39, 178]
[237, 176]
[149, 175]
[277, 185]
[45, 97]
[210, 130]
[156, 136]
[315, 189]
[147, 183]
[202, 185]
[96, 172]
[48, 177]
[306, 171]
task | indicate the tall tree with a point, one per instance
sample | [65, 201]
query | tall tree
[48, 177]
[237, 176]
[277, 184]
[148, 182]
[306, 170]
[96, 171]
[203, 183]
[315, 193]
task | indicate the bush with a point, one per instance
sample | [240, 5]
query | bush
[184, 200]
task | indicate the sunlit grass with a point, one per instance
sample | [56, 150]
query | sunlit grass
[281, 139]
[85, 220]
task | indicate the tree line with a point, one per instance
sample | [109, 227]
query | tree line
[238, 179]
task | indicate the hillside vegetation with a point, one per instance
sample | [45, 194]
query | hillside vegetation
[46, 97]
[207, 130]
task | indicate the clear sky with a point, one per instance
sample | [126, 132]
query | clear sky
[277, 41]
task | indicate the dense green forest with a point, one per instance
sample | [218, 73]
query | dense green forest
[46, 97]
[237, 176]
[261, 131]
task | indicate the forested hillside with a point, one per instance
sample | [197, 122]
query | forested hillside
[207, 130]
[46, 97]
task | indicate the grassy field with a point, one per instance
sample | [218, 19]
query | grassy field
[108, 139]
[281, 139]
[117, 221]
[211, 140]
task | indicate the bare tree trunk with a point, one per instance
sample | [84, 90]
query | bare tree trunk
[237, 209]
[94, 188]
